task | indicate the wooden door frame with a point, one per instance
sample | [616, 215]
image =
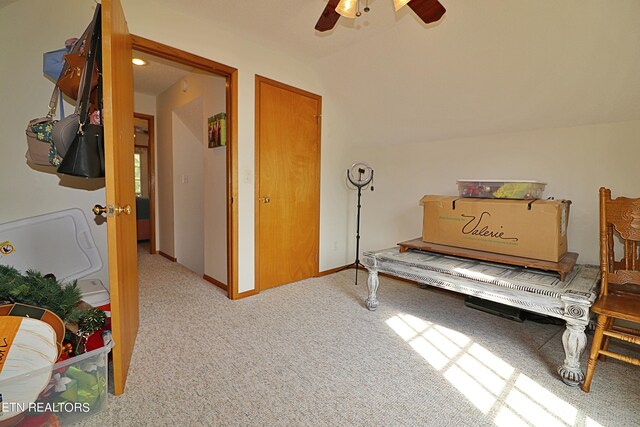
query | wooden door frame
[151, 156]
[261, 79]
[231, 75]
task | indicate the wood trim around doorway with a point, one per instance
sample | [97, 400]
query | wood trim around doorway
[231, 75]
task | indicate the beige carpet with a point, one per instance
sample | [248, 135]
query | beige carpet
[311, 354]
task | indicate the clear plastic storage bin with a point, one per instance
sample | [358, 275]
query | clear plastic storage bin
[495, 189]
[77, 390]
[60, 243]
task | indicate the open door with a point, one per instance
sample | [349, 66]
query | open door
[119, 184]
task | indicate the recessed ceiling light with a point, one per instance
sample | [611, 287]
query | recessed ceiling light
[138, 61]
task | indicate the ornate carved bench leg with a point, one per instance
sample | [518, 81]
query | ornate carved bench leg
[574, 341]
[372, 284]
[576, 314]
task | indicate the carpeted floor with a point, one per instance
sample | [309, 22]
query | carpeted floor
[311, 354]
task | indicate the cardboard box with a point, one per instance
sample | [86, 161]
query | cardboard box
[526, 228]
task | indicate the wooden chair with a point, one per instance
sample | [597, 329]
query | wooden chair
[619, 297]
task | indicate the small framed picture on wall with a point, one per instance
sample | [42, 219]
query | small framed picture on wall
[217, 127]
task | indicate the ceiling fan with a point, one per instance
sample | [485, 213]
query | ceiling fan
[427, 10]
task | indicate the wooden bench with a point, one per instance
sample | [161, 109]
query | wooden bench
[529, 289]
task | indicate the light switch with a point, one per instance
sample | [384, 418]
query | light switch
[184, 179]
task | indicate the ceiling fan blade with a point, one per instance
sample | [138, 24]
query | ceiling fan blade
[329, 16]
[428, 10]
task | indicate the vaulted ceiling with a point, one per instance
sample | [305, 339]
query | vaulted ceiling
[490, 66]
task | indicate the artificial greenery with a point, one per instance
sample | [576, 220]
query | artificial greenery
[90, 321]
[33, 288]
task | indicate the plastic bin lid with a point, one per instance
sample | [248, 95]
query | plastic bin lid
[59, 242]
[93, 292]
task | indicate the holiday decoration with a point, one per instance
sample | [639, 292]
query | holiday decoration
[45, 292]
[26, 359]
[33, 288]
[89, 322]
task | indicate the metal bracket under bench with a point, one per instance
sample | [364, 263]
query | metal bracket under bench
[533, 290]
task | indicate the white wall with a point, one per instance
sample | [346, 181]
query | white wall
[143, 103]
[164, 176]
[574, 162]
[197, 199]
[25, 94]
[179, 148]
[188, 184]
[215, 186]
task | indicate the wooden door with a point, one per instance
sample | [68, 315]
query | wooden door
[288, 183]
[119, 184]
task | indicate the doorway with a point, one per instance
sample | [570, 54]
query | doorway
[144, 178]
[287, 183]
[230, 188]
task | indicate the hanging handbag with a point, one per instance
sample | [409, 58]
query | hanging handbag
[40, 148]
[75, 61]
[64, 131]
[53, 62]
[37, 150]
[85, 155]
[69, 81]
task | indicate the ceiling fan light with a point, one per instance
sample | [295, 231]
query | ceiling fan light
[347, 8]
[398, 4]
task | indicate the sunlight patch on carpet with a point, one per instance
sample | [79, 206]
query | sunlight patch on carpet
[485, 380]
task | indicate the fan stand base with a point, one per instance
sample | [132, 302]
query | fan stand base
[356, 264]
[352, 265]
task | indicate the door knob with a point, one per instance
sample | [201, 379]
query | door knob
[126, 210]
[110, 210]
[99, 210]
[265, 199]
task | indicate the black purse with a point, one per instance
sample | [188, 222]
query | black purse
[85, 155]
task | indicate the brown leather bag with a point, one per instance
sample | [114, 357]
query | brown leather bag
[74, 63]
[69, 80]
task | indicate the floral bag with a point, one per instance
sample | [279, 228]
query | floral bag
[40, 148]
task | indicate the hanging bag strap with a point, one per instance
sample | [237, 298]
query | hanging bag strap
[53, 102]
[98, 59]
[84, 38]
[69, 80]
[85, 89]
[99, 63]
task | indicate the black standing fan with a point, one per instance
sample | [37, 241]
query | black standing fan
[359, 175]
